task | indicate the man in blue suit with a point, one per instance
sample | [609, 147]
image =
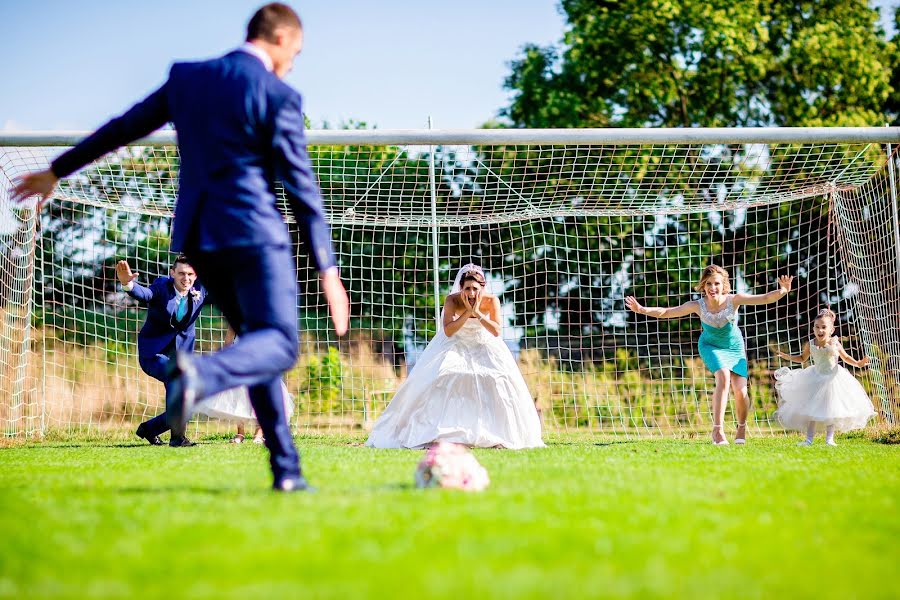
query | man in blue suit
[240, 128]
[173, 305]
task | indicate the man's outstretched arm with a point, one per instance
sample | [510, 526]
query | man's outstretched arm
[127, 278]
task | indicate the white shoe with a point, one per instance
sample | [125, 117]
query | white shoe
[724, 441]
[805, 443]
[830, 443]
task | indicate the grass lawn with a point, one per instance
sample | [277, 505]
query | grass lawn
[585, 517]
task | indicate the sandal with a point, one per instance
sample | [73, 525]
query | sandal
[238, 439]
[724, 441]
[741, 440]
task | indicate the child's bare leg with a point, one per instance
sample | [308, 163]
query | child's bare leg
[258, 436]
[720, 398]
[741, 406]
[240, 434]
[810, 434]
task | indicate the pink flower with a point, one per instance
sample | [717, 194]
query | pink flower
[450, 465]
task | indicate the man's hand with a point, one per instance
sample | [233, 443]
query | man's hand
[35, 184]
[338, 302]
[124, 272]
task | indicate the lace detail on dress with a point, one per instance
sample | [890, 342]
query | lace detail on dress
[825, 358]
[720, 318]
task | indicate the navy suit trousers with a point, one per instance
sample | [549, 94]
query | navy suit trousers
[157, 367]
[256, 289]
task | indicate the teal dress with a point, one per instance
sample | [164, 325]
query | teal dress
[721, 343]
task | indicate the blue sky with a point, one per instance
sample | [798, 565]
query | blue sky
[72, 64]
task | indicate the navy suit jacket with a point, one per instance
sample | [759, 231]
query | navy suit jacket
[240, 129]
[161, 327]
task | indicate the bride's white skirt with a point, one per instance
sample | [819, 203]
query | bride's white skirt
[466, 388]
[234, 405]
[826, 397]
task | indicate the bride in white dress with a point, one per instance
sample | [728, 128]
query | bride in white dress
[466, 386]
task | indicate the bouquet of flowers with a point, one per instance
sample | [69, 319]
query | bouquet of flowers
[449, 465]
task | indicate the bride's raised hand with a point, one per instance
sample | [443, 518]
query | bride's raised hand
[468, 305]
[476, 307]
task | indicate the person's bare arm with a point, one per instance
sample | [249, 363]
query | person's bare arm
[659, 312]
[799, 358]
[784, 287]
[491, 319]
[452, 322]
[862, 362]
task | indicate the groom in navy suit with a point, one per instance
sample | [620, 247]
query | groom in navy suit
[240, 129]
[173, 305]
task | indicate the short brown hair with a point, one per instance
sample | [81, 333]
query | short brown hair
[270, 17]
[181, 259]
[709, 272]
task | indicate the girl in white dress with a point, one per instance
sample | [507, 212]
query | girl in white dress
[466, 386]
[234, 405]
[824, 394]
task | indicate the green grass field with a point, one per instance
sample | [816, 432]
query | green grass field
[582, 518]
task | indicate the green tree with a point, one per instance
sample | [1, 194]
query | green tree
[639, 63]
[719, 63]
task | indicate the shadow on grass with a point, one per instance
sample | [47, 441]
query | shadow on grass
[67, 445]
[190, 489]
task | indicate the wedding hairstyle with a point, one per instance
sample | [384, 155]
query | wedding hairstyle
[828, 315]
[472, 273]
[270, 17]
[181, 259]
[709, 272]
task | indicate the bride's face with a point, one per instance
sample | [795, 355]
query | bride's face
[471, 290]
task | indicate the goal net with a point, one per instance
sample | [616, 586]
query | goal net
[565, 223]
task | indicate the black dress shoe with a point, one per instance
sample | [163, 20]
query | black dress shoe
[142, 433]
[180, 442]
[182, 392]
[293, 484]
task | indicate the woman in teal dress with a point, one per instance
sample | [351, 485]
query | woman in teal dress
[721, 344]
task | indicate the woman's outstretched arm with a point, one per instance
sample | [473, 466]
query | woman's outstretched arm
[784, 286]
[688, 308]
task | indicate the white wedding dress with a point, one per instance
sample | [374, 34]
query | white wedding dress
[234, 405]
[465, 388]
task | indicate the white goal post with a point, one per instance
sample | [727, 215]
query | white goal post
[565, 222]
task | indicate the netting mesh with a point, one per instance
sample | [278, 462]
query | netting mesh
[563, 231]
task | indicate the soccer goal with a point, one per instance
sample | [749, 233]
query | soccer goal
[566, 223]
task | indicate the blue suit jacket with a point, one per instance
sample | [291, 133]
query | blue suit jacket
[161, 327]
[240, 129]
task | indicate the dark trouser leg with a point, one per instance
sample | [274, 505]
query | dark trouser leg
[268, 404]
[156, 367]
[256, 290]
